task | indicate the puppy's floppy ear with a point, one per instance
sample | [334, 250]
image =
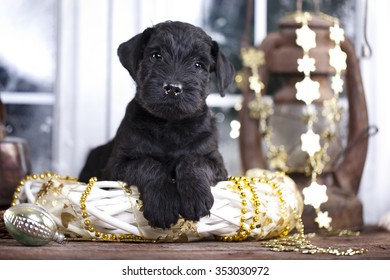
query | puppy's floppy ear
[223, 69]
[131, 52]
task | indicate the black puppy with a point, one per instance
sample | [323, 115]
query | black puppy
[167, 144]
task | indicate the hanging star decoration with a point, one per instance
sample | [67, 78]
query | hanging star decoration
[332, 110]
[306, 64]
[252, 57]
[323, 220]
[336, 33]
[254, 84]
[315, 194]
[307, 90]
[337, 84]
[310, 142]
[306, 38]
[260, 108]
[278, 158]
[338, 58]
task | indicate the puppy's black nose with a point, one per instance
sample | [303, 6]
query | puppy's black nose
[173, 89]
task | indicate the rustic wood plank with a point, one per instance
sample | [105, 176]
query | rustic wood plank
[376, 241]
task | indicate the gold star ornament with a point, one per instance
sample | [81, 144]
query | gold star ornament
[337, 84]
[306, 38]
[315, 195]
[336, 34]
[323, 220]
[307, 90]
[306, 64]
[255, 84]
[278, 158]
[252, 57]
[310, 142]
[338, 59]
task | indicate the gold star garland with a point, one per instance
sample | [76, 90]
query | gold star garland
[262, 109]
[308, 92]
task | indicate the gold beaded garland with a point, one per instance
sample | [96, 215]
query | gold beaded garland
[83, 198]
[40, 176]
[92, 229]
[297, 242]
[240, 183]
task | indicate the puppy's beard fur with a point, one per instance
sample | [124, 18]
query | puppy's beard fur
[184, 105]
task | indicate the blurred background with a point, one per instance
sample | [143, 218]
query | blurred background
[65, 91]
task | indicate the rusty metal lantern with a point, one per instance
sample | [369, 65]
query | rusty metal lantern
[343, 174]
[15, 162]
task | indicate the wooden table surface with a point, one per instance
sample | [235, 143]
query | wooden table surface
[374, 240]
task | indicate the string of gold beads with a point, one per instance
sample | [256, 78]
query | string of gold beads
[283, 209]
[88, 224]
[298, 242]
[35, 177]
[241, 183]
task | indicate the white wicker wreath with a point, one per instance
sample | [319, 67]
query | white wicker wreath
[259, 206]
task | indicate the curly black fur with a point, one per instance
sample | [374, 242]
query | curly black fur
[167, 143]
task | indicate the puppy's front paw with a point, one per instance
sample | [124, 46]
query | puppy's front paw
[194, 209]
[196, 200]
[161, 209]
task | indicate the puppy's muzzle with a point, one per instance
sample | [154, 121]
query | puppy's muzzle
[173, 89]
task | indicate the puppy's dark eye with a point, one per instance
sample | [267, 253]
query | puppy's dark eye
[156, 55]
[199, 66]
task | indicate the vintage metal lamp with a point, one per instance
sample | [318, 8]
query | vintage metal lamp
[15, 162]
[304, 113]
